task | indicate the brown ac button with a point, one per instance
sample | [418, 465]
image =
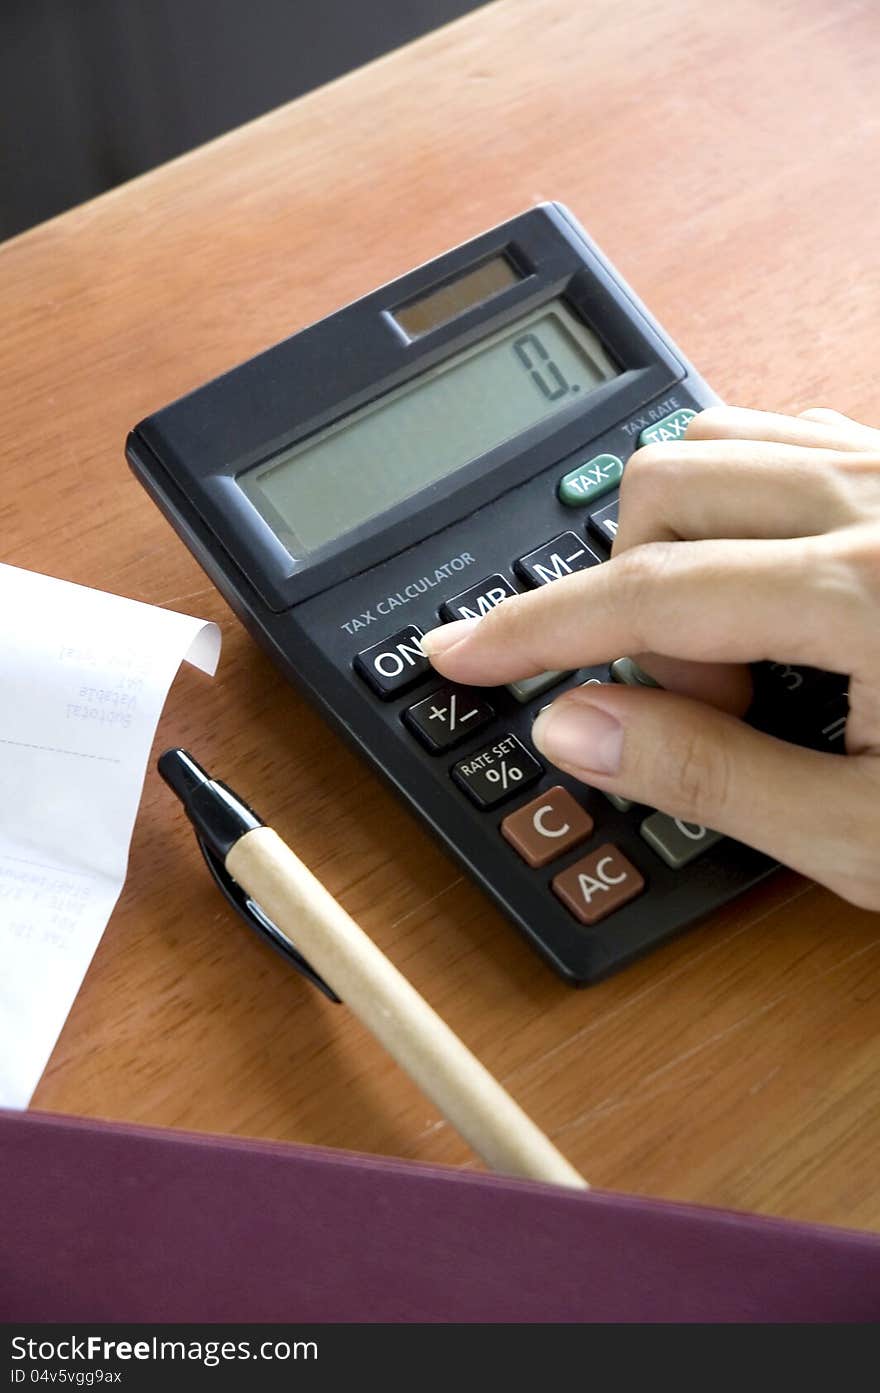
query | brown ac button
[548, 826]
[598, 884]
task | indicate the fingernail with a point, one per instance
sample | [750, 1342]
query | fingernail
[440, 640]
[575, 735]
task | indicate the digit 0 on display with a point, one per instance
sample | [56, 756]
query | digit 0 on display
[541, 368]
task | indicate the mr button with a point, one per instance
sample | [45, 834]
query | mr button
[548, 826]
[395, 663]
[598, 884]
[478, 600]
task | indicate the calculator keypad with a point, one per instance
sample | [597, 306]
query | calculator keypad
[553, 833]
[394, 664]
[497, 772]
[447, 716]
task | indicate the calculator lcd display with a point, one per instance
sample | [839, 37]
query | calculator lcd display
[418, 434]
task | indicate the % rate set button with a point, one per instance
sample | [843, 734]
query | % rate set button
[496, 772]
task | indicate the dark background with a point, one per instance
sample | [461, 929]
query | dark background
[93, 92]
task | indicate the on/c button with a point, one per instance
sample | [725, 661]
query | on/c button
[546, 827]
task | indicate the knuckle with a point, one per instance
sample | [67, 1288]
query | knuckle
[639, 570]
[505, 619]
[861, 467]
[712, 420]
[861, 470]
[638, 574]
[648, 492]
[519, 622]
[699, 778]
[645, 465]
[844, 585]
[860, 553]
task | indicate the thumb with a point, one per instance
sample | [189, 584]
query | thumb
[814, 812]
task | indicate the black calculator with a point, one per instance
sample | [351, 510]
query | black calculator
[447, 441]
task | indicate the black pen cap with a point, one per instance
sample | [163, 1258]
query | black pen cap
[219, 816]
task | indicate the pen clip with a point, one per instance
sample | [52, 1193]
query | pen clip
[257, 919]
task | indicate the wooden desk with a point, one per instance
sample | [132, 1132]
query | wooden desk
[727, 158]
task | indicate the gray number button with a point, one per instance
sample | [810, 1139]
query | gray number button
[676, 842]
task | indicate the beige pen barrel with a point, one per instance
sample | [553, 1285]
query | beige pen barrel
[371, 986]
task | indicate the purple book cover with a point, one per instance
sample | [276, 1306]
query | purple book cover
[109, 1222]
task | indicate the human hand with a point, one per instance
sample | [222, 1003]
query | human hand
[756, 537]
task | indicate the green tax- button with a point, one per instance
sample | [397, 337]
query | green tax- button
[590, 480]
[672, 427]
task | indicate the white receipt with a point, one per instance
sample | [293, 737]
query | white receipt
[83, 678]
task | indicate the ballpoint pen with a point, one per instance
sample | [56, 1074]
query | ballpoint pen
[280, 898]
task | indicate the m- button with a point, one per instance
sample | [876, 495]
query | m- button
[548, 826]
[561, 556]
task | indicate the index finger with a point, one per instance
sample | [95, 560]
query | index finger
[709, 601]
[814, 429]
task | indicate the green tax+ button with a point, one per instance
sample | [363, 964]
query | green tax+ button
[672, 427]
[590, 480]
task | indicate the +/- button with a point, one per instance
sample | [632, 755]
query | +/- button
[598, 884]
[547, 827]
[394, 664]
[672, 427]
[447, 716]
[589, 481]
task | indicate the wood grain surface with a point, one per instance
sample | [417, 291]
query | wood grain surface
[727, 157]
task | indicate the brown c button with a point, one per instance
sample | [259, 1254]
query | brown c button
[546, 827]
